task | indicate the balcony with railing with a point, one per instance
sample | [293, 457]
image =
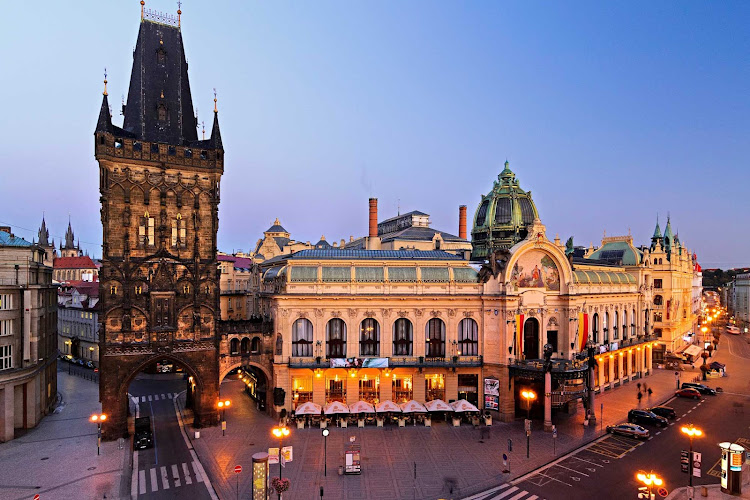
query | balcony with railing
[561, 369]
[397, 362]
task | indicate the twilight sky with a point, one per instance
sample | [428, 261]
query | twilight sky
[609, 114]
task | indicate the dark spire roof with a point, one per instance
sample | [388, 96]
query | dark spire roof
[104, 124]
[159, 88]
[215, 141]
[43, 234]
[69, 243]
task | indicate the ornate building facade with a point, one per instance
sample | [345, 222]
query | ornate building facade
[159, 186]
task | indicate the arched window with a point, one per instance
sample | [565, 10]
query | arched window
[615, 324]
[302, 335]
[403, 335]
[605, 328]
[245, 345]
[369, 338]
[435, 338]
[624, 324]
[336, 338]
[658, 300]
[632, 324]
[234, 346]
[595, 328]
[468, 337]
[255, 345]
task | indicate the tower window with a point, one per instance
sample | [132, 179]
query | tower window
[162, 112]
[146, 231]
[179, 232]
[161, 56]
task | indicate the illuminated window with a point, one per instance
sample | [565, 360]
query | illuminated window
[301, 390]
[435, 338]
[369, 389]
[179, 232]
[369, 338]
[335, 388]
[302, 336]
[434, 387]
[403, 334]
[336, 338]
[146, 231]
[402, 389]
[468, 338]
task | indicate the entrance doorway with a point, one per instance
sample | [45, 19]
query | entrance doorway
[531, 339]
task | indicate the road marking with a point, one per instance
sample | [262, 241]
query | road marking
[577, 472]
[696, 406]
[554, 479]
[198, 476]
[532, 497]
[649, 439]
[170, 395]
[671, 423]
[678, 418]
[592, 463]
[487, 493]
[519, 496]
[143, 399]
[142, 482]
[176, 476]
[163, 397]
[164, 478]
[688, 411]
[658, 433]
[506, 493]
[149, 398]
[186, 471]
[154, 484]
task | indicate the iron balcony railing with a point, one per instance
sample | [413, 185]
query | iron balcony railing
[397, 362]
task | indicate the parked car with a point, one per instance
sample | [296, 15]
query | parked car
[663, 411]
[90, 364]
[631, 430]
[703, 389]
[688, 392]
[144, 436]
[646, 417]
[717, 366]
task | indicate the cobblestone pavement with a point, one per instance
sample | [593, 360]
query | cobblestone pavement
[57, 459]
[441, 455]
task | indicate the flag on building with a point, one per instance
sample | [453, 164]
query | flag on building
[519, 334]
[583, 329]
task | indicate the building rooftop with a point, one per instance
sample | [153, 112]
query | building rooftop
[84, 262]
[9, 240]
[345, 254]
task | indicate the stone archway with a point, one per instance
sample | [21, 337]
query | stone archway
[115, 380]
[257, 368]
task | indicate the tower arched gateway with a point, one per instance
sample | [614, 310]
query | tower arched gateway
[159, 186]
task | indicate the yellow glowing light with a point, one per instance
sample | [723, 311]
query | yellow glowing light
[280, 432]
[691, 431]
[528, 395]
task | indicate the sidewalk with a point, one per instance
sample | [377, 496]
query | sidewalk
[390, 456]
[58, 459]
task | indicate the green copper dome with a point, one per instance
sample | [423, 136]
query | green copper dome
[502, 216]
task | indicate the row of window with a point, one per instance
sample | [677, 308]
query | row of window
[146, 230]
[247, 346]
[369, 338]
[605, 329]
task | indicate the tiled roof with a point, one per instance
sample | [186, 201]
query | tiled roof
[8, 240]
[239, 262]
[418, 234]
[374, 255]
[84, 262]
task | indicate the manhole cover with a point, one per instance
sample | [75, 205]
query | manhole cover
[91, 468]
[45, 458]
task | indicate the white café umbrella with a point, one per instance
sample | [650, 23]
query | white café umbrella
[437, 405]
[361, 407]
[308, 408]
[462, 405]
[387, 406]
[335, 407]
[413, 407]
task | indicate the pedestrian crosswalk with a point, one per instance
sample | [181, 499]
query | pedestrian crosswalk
[154, 397]
[165, 477]
[504, 492]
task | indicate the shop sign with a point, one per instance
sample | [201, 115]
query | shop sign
[491, 394]
[359, 362]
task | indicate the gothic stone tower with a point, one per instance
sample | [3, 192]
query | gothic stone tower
[159, 186]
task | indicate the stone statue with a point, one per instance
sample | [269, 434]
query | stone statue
[569, 246]
[497, 262]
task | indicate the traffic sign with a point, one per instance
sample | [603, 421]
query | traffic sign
[663, 492]
[505, 460]
[237, 469]
[510, 445]
[696, 472]
[527, 424]
[36, 497]
[554, 432]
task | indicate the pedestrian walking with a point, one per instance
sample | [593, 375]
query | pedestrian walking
[639, 386]
[649, 392]
[645, 387]
[640, 395]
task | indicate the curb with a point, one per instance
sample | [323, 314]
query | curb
[199, 465]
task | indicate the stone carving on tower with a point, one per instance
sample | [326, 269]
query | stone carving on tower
[159, 185]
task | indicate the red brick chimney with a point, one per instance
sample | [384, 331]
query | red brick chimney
[462, 222]
[373, 217]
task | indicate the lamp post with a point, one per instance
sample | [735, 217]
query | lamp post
[692, 432]
[529, 396]
[649, 480]
[98, 419]
[280, 432]
[325, 452]
[223, 405]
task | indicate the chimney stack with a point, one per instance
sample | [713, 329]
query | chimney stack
[462, 222]
[373, 217]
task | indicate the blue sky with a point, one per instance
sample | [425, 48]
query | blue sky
[609, 113]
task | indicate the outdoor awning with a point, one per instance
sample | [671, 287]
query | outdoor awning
[462, 405]
[308, 408]
[335, 407]
[693, 350]
[361, 407]
[437, 405]
[413, 407]
[386, 406]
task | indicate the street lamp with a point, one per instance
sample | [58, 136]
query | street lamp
[692, 432]
[529, 396]
[280, 432]
[223, 405]
[325, 451]
[649, 480]
[98, 419]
